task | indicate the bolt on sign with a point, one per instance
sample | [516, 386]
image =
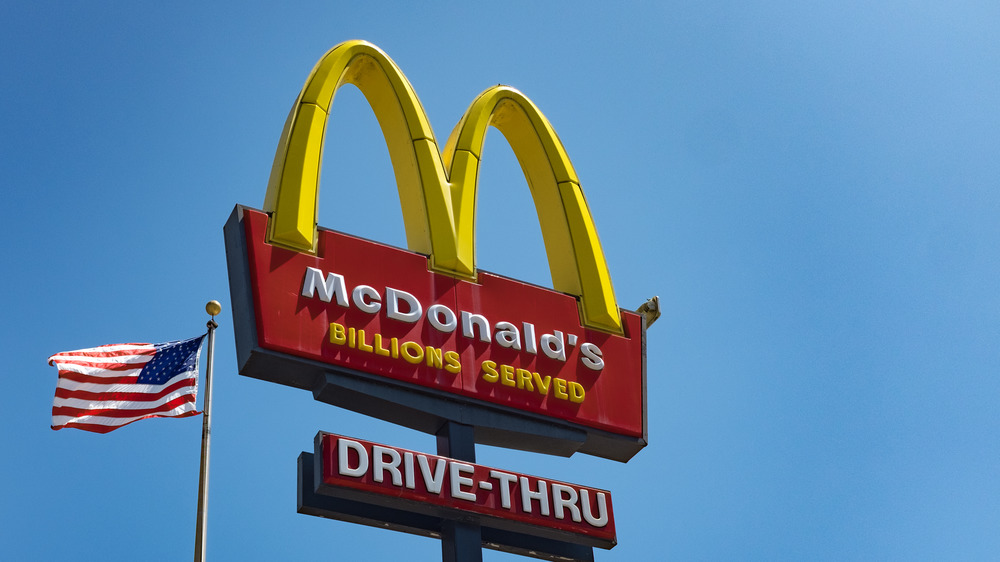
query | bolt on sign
[420, 336]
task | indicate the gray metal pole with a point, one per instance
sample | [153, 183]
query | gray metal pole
[212, 308]
[461, 541]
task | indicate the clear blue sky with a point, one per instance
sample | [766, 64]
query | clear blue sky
[810, 188]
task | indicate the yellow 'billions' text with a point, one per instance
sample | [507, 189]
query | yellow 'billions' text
[409, 351]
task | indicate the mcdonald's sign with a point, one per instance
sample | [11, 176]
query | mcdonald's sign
[418, 336]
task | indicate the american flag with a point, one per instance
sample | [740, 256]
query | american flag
[103, 388]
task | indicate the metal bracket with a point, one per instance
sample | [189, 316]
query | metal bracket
[650, 310]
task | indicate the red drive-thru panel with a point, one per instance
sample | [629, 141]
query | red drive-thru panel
[428, 483]
[377, 309]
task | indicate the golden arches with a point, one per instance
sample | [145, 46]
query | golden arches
[437, 190]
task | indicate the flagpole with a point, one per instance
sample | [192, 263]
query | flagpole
[212, 308]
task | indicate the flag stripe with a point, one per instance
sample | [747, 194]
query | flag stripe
[73, 377]
[109, 353]
[111, 402]
[130, 383]
[99, 389]
[117, 410]
[97, 369]
[110, 349]
[123, 392]
[67, 417]
[104, 425]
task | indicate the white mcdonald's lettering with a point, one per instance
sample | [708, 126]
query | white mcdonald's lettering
[387, 465]
[404, 307]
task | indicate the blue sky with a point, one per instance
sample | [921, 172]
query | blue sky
[810, 189]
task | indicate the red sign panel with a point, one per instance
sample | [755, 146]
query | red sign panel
[524, 501]
[374, 308]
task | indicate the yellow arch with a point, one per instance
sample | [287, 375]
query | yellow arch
[439, 207]
[576, 260]
[293, 188]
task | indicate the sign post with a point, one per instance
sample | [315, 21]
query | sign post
[460, 541]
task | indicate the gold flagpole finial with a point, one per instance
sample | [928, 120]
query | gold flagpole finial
[213, 308]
